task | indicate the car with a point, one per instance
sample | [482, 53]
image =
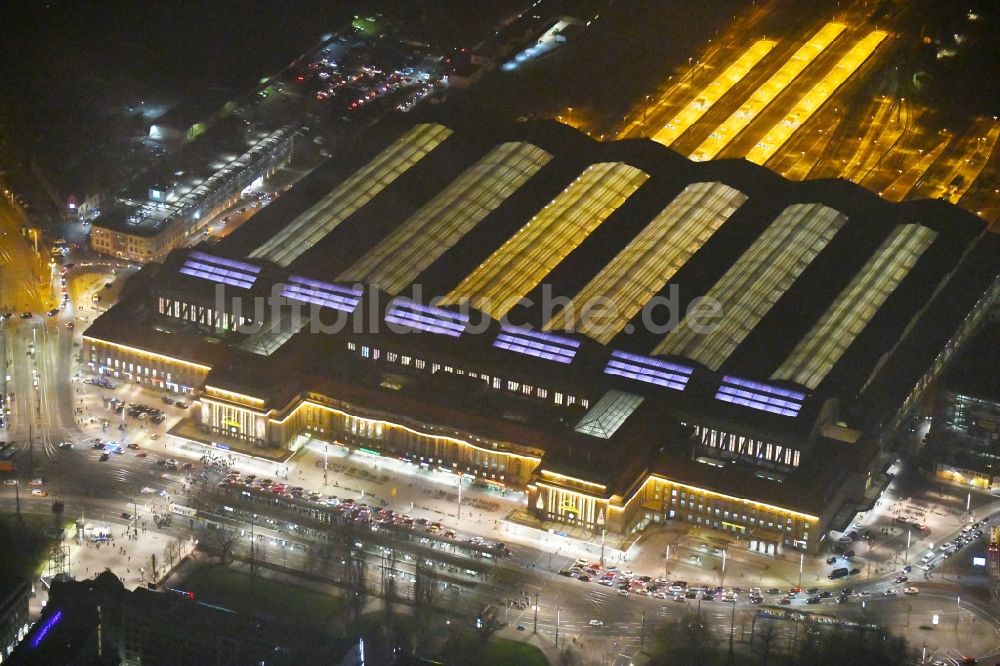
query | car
[141, 454]
[105, 457]
[907, 569]
[864, 593]
[843, 599]
[813, 600]
[773, 590]
[793, 591]
[10, 482]
[812, 590]
[520, 627]
[901, 578]
[623, 593]
[784, 601]
[66, 445]
[36, 482]
[911, 590]
[108, 285]
[53, 312]
[70, 325]
[825, 594]
[756, 600]
[596, 623]
[154, 436]
[180, 404]
[6, 315]
[581, 562]
[832, 559]
[126, 515]
[583, 578]
[39, 493]
[565, 572]
[26, 315]
[133, 446]
[855, 571]
[847, 590]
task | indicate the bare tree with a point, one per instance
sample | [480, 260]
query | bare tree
[356, 583]
[222, 542]
[389, 574]
[424, 586]
[766, 643]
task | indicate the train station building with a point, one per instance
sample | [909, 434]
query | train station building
[628, 336]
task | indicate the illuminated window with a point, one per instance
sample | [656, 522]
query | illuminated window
[855, 306]
[650, 259]
[543, 242]
[340, 203]
[758, 279]
[441, 223]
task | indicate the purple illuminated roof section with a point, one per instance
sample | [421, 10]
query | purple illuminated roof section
[324, 294]
[763, 397]
[539, 344]
[648, 369]
[219, 270]
[225, 263]
[426, 318]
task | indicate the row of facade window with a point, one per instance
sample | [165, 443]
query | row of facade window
[681, 501]
[199, 314]
[133, 368]
[747, 447]
[497, 383]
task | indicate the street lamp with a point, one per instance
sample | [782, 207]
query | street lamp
[558, 610]
[802, 557]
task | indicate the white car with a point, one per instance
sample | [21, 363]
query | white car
[891, 592]
[911, 590]
[596, 623]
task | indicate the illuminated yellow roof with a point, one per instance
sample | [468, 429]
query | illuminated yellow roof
[442, 222]
[854, 307]
[746, 292]
[648, 262]
[809, 103]
[497, 284]
[326, 214]
[767, 92]
[713, 92]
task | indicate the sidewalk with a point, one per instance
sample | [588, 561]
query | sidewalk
[543, 643]
[135, 560]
